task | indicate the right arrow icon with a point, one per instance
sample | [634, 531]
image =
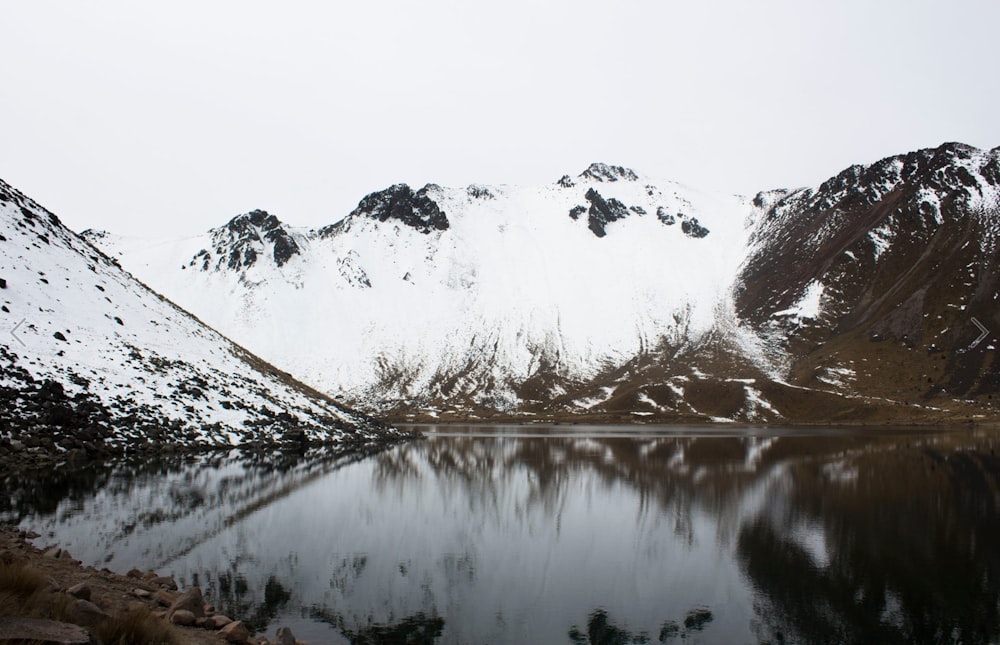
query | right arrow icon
[982, 335]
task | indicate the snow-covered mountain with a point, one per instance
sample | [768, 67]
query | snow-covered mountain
[608, 294]
[92, 360]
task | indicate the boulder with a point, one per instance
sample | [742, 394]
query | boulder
[284, 636]
[235, 632]
[81, 591]
[145, 594]
[165, 598]
[217, 621]
[87, 613]
[190, 600]
[43, 632]
[183, 617]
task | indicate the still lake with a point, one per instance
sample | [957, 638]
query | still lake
[564, 534]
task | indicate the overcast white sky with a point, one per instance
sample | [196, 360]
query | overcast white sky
[171, 117]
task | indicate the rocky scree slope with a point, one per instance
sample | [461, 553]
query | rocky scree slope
[609, 295]
[93, 362]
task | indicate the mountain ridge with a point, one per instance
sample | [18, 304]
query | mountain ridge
[585, 299]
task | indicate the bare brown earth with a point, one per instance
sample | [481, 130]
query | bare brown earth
[116, 594]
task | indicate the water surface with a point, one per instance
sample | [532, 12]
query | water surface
[566, 534]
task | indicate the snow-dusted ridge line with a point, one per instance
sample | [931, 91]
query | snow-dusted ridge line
[597, 293]
[472, 289]
[107, 363]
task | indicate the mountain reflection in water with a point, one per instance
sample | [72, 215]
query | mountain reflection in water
[591, 535]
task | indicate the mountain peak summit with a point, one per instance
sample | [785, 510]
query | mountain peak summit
[603, 172]
[242, 239]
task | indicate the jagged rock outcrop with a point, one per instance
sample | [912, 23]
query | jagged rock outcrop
[399, 202]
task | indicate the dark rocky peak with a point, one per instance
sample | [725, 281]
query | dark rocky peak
[602, 212]
[242, 240]
[414, 209]
[954, 171]
[566, 181]
[766, 199]
[242, 224]
[603, 172]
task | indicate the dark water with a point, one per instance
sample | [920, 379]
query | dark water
[566, 535]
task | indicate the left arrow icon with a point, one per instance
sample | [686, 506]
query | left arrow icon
[12, 331]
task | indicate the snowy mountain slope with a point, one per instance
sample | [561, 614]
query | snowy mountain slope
[447, 294]
[614, 296]
[98, 362]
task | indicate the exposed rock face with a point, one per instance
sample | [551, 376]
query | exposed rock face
[244, 239]
[903, 254]
[603, 172]
[602, 212]
[399, 202]
[692, 228]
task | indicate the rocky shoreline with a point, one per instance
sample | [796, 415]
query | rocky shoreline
[78, 602]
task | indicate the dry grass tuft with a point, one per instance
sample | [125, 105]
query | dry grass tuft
[19, 579]
[136, 626]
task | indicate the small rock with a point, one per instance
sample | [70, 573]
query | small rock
[164, 581]
[284, 636]
[81, 591]
[134, 573]
[53, 552]
[209, 610]
[200, 622]
[145, 594]
[182, 617]
[87, 613]
[235, 632]
[149, 575]
[30, 535]
[36, 630]
[191, 600]
[217, 621]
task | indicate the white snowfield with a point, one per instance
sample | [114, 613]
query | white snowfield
[510, 297]
[90, 326]
[381, 311]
